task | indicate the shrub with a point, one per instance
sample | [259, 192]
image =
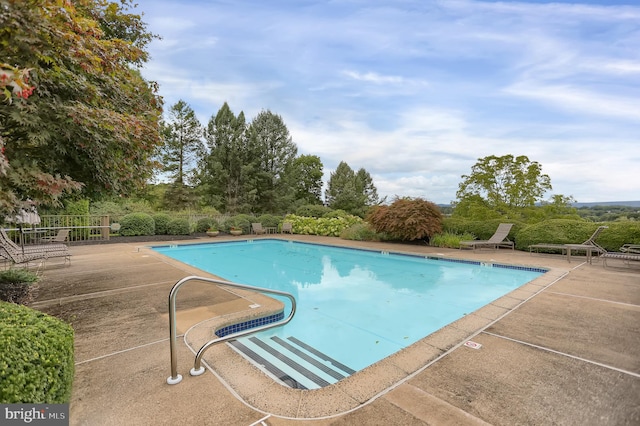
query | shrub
[407, 219]
[36, 357]
[161, 220]
[449, 240]
[269, 220]
[205, 224]
[332, 227]
[360, 232]
[241, 221]
[178, 227]
[17, 286]
[312, 210]
[336, 213]
[134, 224]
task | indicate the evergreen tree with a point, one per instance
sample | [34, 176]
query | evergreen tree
[182, 143]
[226, 172]
[349, 191]
[274, 151]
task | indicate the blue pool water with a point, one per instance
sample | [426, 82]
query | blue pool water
[355, 307]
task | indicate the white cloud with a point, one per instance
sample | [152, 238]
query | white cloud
[416, 92]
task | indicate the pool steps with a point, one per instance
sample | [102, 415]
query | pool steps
[291, 361]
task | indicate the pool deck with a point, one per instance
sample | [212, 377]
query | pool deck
[563, 349]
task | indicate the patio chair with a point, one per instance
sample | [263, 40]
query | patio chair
[17, 254]
[589, 244]
[626, 257]
[497, 240]
[60, 237]
[287, 227]
[256, 228]
[630, 248]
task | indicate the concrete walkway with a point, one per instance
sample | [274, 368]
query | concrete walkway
[561, 350]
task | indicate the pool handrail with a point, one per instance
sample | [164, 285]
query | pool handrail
[197, 369]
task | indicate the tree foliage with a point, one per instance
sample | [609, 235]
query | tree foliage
[350, 191]
[305, 177]
[407, 219]
[225, 172]
[91, 120]
[274, 150]
[182, 136]
[504, 183]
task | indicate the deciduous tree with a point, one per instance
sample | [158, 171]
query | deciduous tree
[504, 183]
[407, 219]
[91, 120]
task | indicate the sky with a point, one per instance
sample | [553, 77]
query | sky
[416, 91]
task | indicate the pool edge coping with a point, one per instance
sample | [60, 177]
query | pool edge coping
[260, 392]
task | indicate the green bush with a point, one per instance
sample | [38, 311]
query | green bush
[564, 231]
[137, 224]
[361, 232]
[449, 240]
[335, 213]
[17, 286]
[36, 357]
[178, 227]
[205, 224]
[619, 233]
[312, 210]
[332, 227]
[242, 221]
[269, 220]
[161, 220]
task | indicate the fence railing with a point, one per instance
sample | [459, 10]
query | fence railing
[82, 228]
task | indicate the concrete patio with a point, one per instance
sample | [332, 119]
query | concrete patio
[563, 349]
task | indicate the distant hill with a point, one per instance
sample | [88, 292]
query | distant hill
[578, 205]
[608, 203]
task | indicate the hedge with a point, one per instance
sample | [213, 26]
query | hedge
[565, 231]
[36, 357]
[134, 224]
[161, 221]
[328, 227]
[178, 227]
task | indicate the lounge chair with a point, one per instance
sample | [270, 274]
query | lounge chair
[256, 228]
[630, 248]
[627, 257]
[60, 237]
[497, 240]
[287, 227]
[18, 255]
[590, 244]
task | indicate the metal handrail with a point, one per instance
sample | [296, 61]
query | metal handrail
[197, 369]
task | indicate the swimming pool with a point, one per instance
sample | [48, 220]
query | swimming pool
[355, 307]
